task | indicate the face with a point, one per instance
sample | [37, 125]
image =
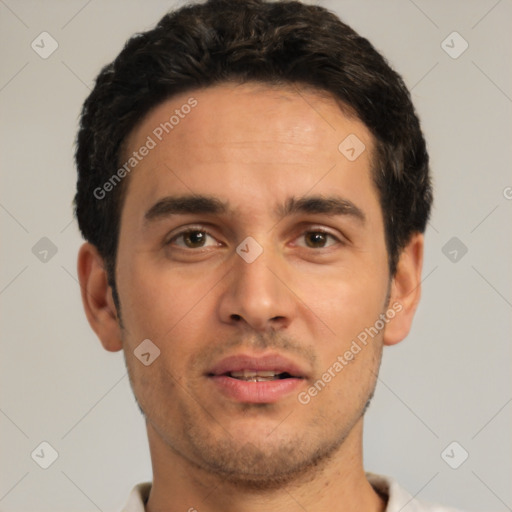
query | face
[252, 254]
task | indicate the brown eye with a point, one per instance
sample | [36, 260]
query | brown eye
[317, 239]
[193, 239]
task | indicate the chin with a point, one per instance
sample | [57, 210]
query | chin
[262, 463]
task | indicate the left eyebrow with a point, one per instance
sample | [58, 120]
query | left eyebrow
[333, 205]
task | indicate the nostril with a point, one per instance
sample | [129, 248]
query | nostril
[236, 317]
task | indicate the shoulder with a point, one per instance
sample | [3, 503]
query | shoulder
[399, 499]
[138, 498]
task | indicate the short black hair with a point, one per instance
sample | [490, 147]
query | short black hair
[273, 42]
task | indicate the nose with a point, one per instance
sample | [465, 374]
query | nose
[257, 295]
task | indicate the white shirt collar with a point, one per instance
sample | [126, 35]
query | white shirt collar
[399, 500]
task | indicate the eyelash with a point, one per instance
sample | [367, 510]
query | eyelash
[323, 231]
[192, 229]
[202, 229]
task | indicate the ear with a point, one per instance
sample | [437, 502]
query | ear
[97, 298]
[405, 290]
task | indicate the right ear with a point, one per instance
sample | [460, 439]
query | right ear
[97, 298]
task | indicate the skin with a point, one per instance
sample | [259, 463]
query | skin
[306, 297]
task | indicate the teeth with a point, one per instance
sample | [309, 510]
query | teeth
[254, 373]
[255, 376]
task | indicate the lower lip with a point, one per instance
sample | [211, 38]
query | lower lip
[264, 392]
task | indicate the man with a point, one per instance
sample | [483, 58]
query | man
[253, 187]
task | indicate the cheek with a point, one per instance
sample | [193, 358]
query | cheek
[170, 310]
[347, 301]
[349, 349]
[159, 299]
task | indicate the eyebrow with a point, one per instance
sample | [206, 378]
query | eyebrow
[181, 205]
[332, 205]
[202, 204]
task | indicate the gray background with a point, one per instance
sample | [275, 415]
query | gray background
[449, 381]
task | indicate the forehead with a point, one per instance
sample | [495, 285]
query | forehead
[230, 140]
[295, 114]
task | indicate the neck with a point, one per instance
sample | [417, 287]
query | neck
[338, 484]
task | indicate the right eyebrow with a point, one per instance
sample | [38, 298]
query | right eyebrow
[180, 205]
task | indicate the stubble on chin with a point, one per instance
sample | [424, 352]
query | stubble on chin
[275, 463]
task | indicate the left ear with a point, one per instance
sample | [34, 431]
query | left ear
[405, 290]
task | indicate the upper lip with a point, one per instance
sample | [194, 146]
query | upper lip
[268, 362]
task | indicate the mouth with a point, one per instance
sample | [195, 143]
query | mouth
[249, 379]
[259, 376]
